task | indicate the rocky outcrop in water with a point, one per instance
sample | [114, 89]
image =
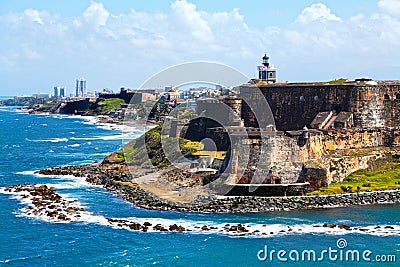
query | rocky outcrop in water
[121, 184]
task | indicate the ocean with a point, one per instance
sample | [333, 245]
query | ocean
[33, 142]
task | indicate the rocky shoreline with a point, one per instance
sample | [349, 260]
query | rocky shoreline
[121, 184]
[44, 202]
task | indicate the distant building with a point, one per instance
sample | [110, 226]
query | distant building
[171, 88]
[59, 92]
[266, 72]
[63, 92]
[107, 91]
[80, 88]
[174, 95]
[41, 96]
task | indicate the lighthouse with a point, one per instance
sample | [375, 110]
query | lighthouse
[266, 72]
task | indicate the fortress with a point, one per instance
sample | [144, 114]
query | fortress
[321, 133]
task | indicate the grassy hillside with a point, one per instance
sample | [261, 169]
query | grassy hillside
[383, 178]
[137, 150]
[109, 105]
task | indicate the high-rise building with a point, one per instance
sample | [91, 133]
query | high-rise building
[63, 92]
[56, 91]
[80, 89]
[59, 91]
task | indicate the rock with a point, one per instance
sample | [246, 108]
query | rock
[329, 225]
[159, 227]
[205, 228]
[173, 227]
[344, 226]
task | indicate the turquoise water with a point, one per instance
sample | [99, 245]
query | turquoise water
[32, 142]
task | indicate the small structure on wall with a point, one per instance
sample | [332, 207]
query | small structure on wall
[266, 72]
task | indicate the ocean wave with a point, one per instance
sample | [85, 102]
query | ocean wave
[69, 177]
[74, 145]
[19, 259]
[26, 173]
[261, 230]
[106, 137]
[70, 182]
[53, 140]
[208, 227]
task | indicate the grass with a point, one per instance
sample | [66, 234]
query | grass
[338, 81]
[148, 146]
[109, 105]
[384, 178]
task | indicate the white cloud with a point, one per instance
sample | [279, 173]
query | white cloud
[34, 16]
[125, 49]
[96, 14]
[317, 12]
[191, 21]
[391, 7]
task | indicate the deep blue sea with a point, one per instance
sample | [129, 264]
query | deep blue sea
[33, 142]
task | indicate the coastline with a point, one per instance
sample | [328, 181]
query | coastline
[120, 184]
[46, 203]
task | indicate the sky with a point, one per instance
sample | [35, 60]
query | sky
[114, 44]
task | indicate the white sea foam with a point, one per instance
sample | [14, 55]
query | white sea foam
[53, 140]
[74, 145]
[70, 182]
[262, 230]
[255, 230]
[106, 137]
[27, 173]
[80, 180]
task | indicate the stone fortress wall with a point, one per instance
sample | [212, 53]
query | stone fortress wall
[298, 154]
[295, 105]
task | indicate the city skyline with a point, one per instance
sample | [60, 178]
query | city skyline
[123, 44]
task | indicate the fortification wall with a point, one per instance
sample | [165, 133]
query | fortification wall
[76, 107]
[295, 105]
[325, 157]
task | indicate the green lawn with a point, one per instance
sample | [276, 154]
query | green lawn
[383, 178]
[338, 81]
[109, 105]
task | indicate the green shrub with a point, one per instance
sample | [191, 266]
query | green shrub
[347, 189]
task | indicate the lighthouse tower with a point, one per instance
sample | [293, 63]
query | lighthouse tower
[266, 72]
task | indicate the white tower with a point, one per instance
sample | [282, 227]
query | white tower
[266, 72]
